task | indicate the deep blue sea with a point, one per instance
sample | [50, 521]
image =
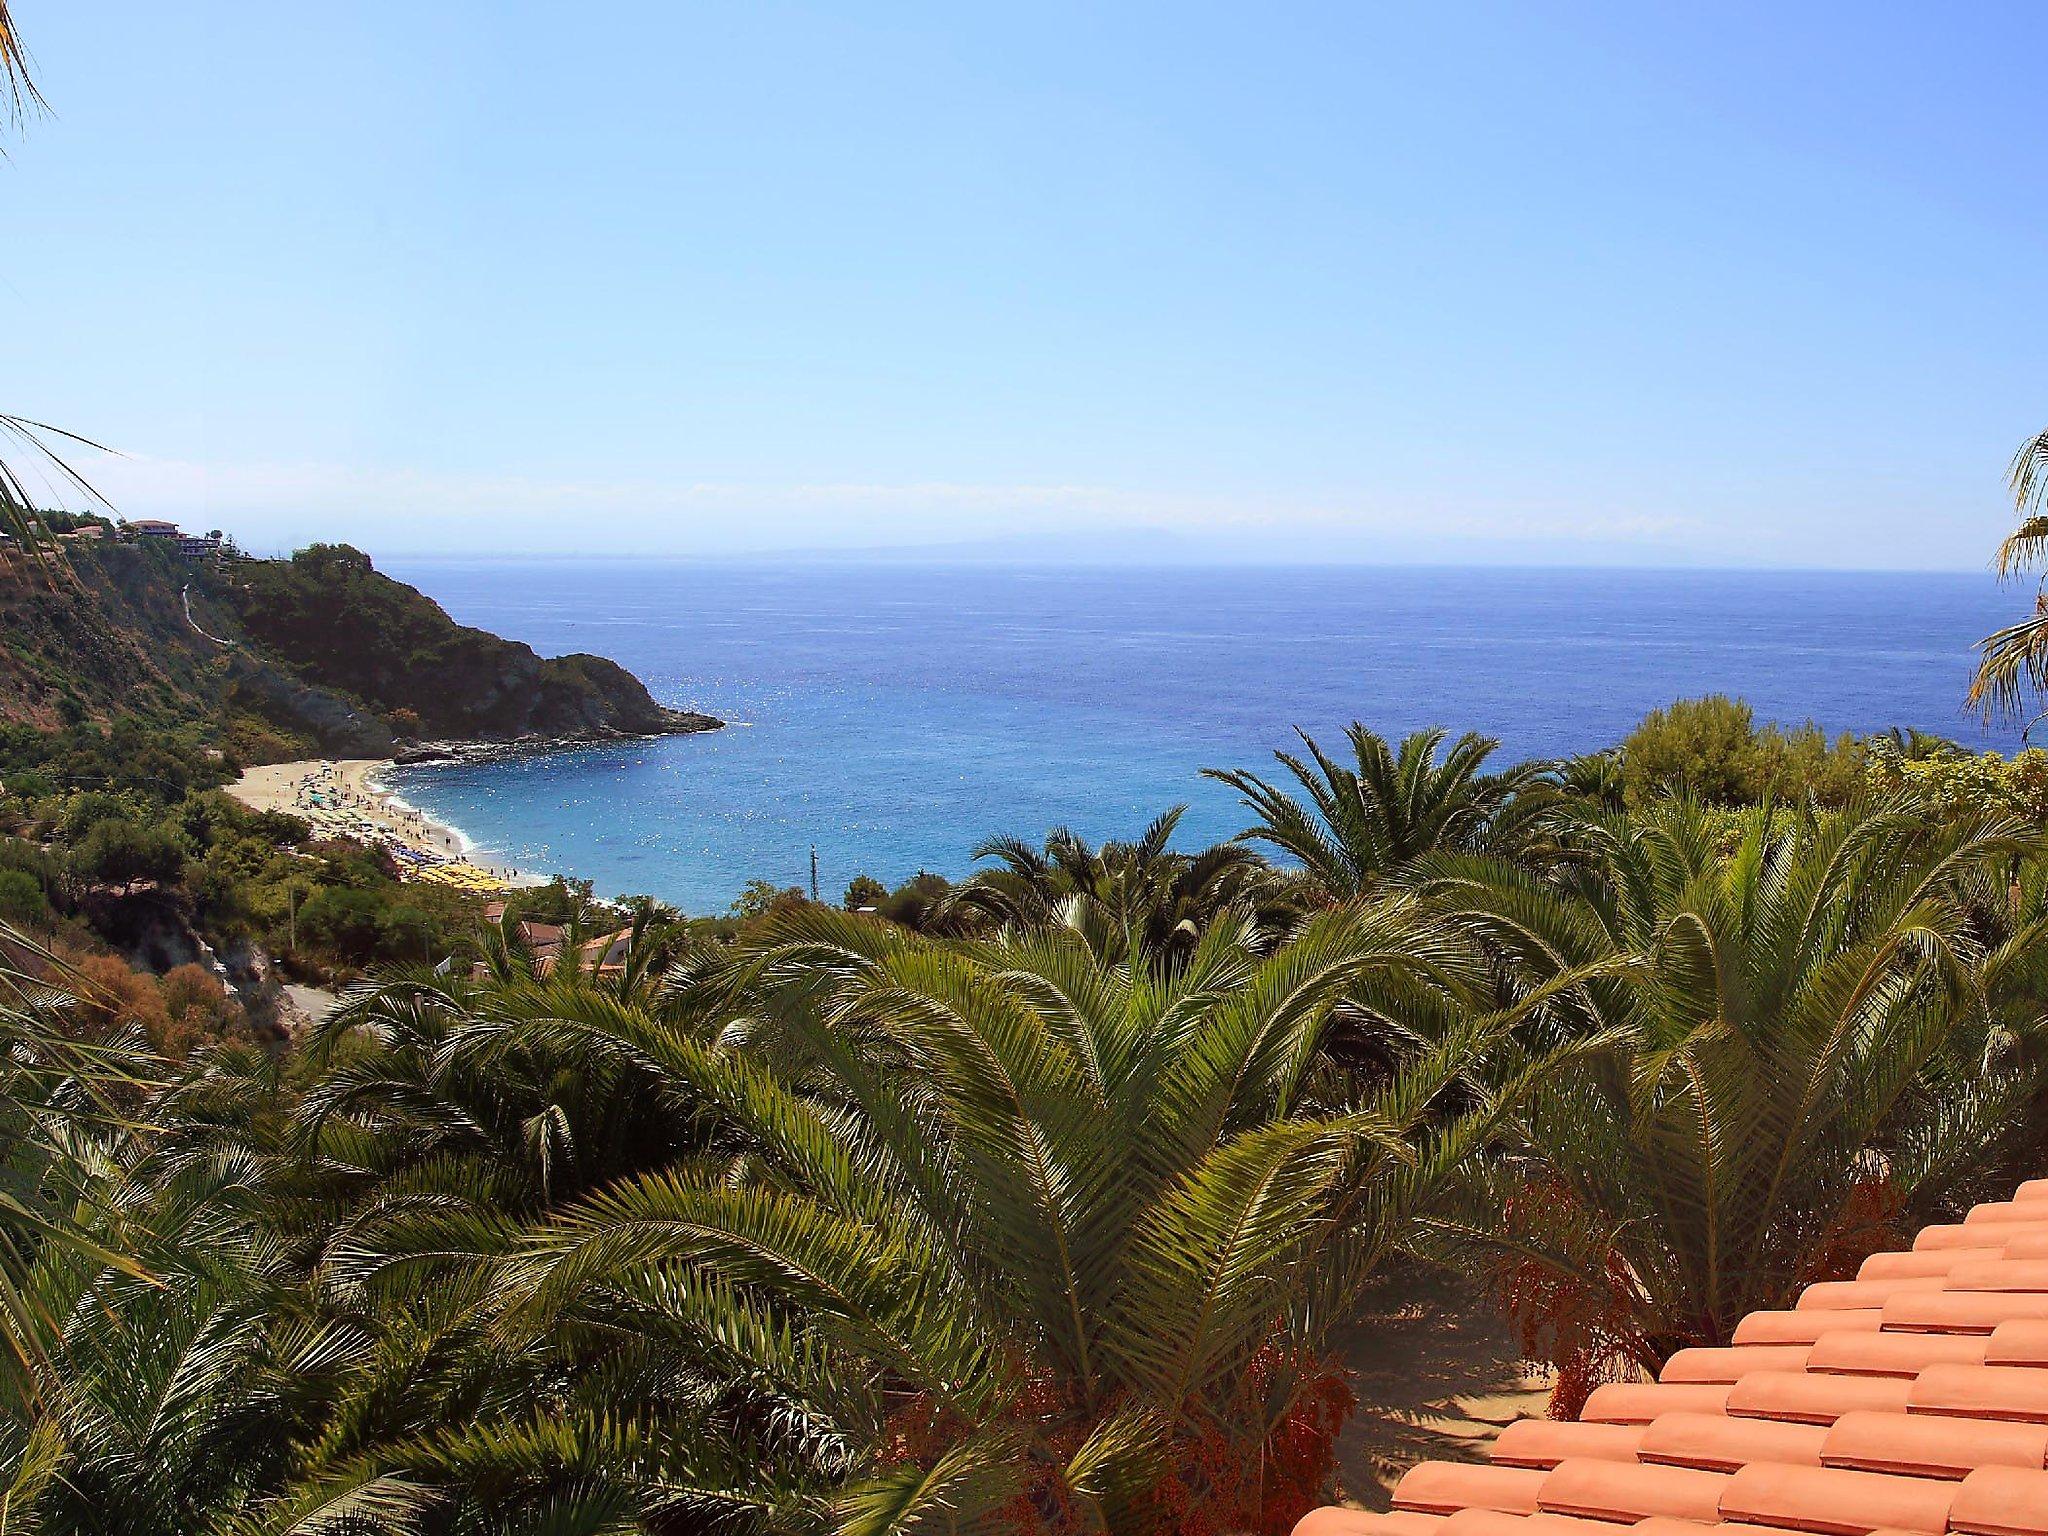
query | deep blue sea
[894, 716]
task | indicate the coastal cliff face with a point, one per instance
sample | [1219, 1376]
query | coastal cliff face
[342, 625]
[103, 634]
[319, 652]
[84, 639]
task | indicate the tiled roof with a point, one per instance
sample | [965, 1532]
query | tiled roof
[1913, 1398]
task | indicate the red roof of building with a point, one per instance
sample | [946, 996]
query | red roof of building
[1913, 1398]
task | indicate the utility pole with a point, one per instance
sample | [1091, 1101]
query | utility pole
[814, 871]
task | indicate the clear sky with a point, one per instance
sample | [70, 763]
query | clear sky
[1582, 283]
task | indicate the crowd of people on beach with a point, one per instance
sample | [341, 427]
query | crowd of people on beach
[325, 799]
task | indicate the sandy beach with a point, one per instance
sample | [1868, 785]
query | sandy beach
[344, 799]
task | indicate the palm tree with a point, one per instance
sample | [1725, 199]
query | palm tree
[2013, 664]
[522, 1093]
[285, 1367]
[1807, 1034]
[1128, 896]
[57, 1093]
[17, 86]
[19, 519]
[1594, 777]
[1041, 1242]
[843, 1232]
[1365, 822]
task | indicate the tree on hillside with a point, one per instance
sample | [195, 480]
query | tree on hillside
[119, 851]
[2012, 667]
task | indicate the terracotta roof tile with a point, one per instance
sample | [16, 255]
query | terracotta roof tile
[1998, 1212]
[1835, 1502]
[1934, 1261]
[1715, 1442]
[1440, 1487]
[1813, 1399]
[1834, 1294]
[1638, 1402]
[1805, 1327]
[1961, 1311]
[1359, 1522]
[1546, 1442]
[1910, 1401]
[1922, 1445]
[2001, 1501]
[1725, 1366]
[2021, 1341]
[1894, 1354]
[1980, 1235]
[1981, 1392]
[2000, 1275]
[1491, 1522]
[1610, 1490]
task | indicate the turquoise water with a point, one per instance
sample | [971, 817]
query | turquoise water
[893, 716]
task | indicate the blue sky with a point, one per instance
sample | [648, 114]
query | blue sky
[1557, 282]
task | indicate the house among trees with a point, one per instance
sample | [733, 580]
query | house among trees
[544, 943]
[193, 546]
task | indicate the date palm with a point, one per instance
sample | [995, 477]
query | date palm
[1131, 897]
[58, 1093]
[2012, 667]
[1364, 821]
[18, 93]
[264, 1376]
[522, 1092]
[1048, 1243]
[1808, 1036]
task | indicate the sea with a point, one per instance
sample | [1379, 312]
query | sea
[890, 717]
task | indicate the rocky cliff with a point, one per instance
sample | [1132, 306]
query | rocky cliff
[319, 652]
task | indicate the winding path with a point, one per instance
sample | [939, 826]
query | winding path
[186, 593]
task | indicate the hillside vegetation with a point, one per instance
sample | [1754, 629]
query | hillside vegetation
[320, 652]
[329, 614]
[111, 640]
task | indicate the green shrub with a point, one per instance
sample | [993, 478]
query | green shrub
[1955, 780]
[757, 898]
[1712, 750]
[344, 921]
[864, 891]
[22, 902]
[911, 900]
[117, 851]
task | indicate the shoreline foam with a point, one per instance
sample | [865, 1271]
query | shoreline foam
[381, 789]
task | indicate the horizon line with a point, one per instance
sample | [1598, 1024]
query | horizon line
[912, 556]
